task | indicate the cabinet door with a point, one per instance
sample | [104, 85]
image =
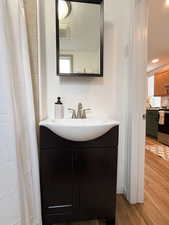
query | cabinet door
[97, 182]
[57, 181]
[161, 82]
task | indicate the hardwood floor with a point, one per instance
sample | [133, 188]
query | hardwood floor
[155, 210]
[152, 141]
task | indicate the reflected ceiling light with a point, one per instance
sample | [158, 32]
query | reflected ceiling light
[64, 9]
[167, 2]
[154, 61]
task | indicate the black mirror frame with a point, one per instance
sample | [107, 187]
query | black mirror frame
[101, 3]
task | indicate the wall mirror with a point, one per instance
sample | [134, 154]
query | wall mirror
[79, 29]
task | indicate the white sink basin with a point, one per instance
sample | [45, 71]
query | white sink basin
[79, 129]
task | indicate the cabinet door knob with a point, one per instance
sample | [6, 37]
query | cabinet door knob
[144, 116]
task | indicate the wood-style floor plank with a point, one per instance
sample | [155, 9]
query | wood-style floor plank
[155, 210]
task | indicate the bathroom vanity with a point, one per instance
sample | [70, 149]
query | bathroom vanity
[78, 179]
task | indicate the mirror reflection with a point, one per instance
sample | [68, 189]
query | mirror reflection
[79, 37]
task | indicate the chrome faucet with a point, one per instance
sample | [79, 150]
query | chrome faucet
[73, 113]
[81, 113]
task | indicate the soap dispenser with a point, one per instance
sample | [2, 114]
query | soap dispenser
[59, 109]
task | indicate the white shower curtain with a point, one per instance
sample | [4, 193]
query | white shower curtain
[15, 70]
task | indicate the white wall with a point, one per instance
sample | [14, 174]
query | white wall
[158, 69]
[165, 101]
[106, 96]
[88, 61]
[153, 101]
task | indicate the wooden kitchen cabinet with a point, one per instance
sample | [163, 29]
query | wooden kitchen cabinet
[161, 82]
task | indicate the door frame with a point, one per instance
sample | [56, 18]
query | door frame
[136, 105]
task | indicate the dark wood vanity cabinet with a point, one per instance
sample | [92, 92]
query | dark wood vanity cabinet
[78, 180]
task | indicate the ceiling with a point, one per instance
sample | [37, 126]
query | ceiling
[158, 34]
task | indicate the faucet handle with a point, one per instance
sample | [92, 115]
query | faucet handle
[73, 113]
[84, 113]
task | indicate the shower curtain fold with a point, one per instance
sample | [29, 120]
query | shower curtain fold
[16, 67]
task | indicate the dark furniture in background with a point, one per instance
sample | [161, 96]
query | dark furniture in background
[163, 130]
[78, 179]
[152, 118]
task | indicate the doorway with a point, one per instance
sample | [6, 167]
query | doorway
[141, 13]
[157, 111]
